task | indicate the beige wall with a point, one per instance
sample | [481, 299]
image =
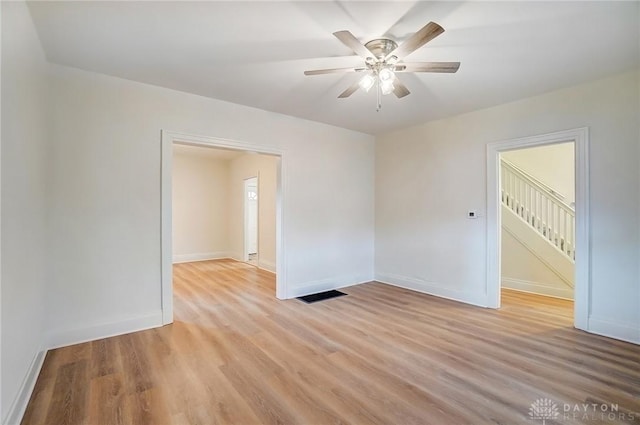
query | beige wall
[25, 162]
[430, 175]
[200, 207]
[523, 270]
[264, 167]
[554, 165]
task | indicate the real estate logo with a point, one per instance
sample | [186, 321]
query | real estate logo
[543, 409]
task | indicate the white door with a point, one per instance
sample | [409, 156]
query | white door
[251, 217]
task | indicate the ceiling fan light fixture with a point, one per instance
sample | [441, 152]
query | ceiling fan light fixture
[386, 87]
[385, 74]
[367, 82]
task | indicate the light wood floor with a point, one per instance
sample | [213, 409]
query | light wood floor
[382, 355]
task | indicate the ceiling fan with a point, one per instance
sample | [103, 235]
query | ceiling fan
[383, 59]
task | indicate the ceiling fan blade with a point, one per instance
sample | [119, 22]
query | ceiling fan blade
[332, 71]
[449, 67]
[417, 40]
[399, 89]
[353, 43]
[351, 90]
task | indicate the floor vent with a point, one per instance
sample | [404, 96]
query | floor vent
[321, 296]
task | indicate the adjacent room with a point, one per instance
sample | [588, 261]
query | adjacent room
[224, 205]
[176, 178]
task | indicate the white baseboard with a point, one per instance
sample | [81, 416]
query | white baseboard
[537, 288]
[322, 285]
[236, 256]
[624, 331]
[19, 405]
[432, 288]
[202, 256]
[65, 337]
[269, 266]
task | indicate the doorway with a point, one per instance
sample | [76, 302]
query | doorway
[582, 290]
[537, 194]
[168, 140]
[251, 221]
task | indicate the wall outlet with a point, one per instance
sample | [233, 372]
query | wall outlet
[472, 214]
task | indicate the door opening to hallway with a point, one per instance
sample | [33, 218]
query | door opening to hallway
[251, 221]
[224, 205]
[537, 197]
[536, 231]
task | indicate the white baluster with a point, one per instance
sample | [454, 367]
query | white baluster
[539, 206]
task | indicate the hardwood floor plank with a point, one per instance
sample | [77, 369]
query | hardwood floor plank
[307, 369]
[103, 353]
[107, 399]
[137, 370]
[265, 403]
[143, 408]
[69, 401]
[381, 355]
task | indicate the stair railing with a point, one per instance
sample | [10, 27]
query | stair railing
[540, 206]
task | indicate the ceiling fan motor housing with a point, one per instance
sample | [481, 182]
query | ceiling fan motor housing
[381, 47]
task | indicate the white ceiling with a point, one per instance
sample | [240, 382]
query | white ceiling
[254, 53]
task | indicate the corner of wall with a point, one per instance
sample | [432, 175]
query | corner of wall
[201, 256]
[269, 266]
[432, 288]
[623, 331]
[313, 287]
[119, 326]
[19, 406]
[24, 262]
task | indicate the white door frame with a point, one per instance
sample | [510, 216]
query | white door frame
[168, 139]
[582, 290]
[245, 225]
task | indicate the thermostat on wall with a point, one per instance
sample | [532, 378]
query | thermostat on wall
[472, 214]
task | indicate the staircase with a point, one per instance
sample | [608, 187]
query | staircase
[540, 220]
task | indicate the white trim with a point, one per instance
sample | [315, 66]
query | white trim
[120, 326]
[202, 256]
[432, 288]
[539, 288]
[269, 266]
[313, 287]
[236, 256]
[582, 288]
[1, 407]
[19, 405]
[282, 285]
[580, 137]
[168, 138]
[618, 330]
